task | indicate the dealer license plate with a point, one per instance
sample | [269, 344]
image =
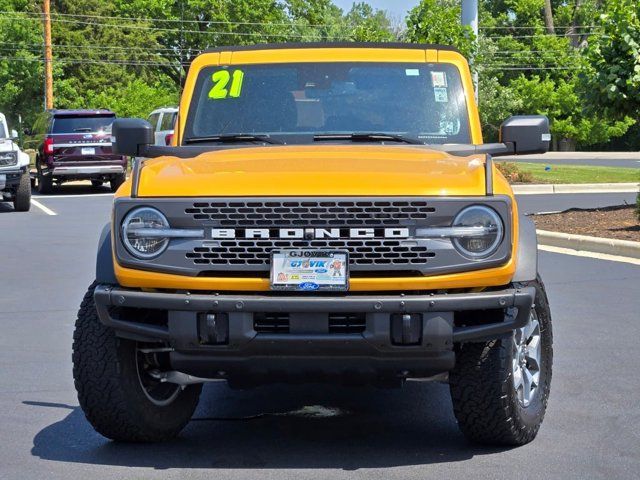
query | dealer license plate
[309, 270]
[88, 151]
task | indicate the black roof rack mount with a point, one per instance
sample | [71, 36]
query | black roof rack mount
[282, 46]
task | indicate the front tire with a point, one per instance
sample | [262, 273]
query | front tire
[118, 398]
[22, 200]
[500, 388]
[45, 183]
[117, 181]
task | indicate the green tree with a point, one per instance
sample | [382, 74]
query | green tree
[525, 69]
[21, 73]
[368, 25]
[613, 80]
[438, 22]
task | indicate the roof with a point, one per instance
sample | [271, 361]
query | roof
[283, 46]
[164, 110]
[80, 112]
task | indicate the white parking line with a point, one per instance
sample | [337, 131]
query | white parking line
[74, 195]
[46, 210]
[582, 253]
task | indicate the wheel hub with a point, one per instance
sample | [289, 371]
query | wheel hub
[526, 360]
[147, 363]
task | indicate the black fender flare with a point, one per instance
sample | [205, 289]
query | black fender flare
[105, 272]
[527, 251]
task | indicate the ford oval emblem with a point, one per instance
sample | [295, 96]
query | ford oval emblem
[321, 270]
[308, 286]
[87, 136]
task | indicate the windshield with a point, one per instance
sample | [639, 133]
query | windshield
[77, 124]
[422, 101]
[4, 133]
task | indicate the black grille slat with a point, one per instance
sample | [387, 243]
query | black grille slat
[271, 322]
[361, 252]
[347, 322]
[283, 214]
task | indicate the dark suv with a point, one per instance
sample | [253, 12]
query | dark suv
[76, 145]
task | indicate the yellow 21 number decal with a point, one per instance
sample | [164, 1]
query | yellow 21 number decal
[221, 80]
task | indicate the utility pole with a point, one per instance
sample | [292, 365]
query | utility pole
[48, 57]
[469, 18]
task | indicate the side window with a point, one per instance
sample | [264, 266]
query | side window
[153, 120]
[168, 121]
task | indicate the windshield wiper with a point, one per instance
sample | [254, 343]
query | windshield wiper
[366, 137]
[235, 137]
[82, 129]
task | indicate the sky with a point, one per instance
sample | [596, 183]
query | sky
[398, 8]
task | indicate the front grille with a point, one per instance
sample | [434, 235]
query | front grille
[226, 250]
[305, 213]
[362, 252]
[347, 322]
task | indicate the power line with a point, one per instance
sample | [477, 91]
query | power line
[94, 62]
[178, 30]
[540, 35]
[541, 27]
[201, 22]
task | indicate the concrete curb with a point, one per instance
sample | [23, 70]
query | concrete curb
[538, 189]
[622, 248]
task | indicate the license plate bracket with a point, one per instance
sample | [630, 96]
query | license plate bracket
[306, 269]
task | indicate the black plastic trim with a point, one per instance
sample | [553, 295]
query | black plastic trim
[527, 253]
[522, 298]
[105, 272]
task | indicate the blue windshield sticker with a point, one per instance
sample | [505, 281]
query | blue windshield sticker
[412, 72]
[441, 95]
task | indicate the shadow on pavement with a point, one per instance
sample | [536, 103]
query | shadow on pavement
[6, 207]
[83, 188]
[251, 429]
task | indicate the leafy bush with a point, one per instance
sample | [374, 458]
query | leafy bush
[513, 174]
[638, 206]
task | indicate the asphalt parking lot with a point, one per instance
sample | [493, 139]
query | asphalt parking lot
[47, 262]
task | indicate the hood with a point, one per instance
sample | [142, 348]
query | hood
[328, 170]
[7, 145]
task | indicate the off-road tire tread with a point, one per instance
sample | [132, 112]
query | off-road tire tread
[98, 381]
[22, 200]
[45, 184]
[482, 392]
[115, 182]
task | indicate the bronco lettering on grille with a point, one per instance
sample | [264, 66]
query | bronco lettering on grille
[309, 233]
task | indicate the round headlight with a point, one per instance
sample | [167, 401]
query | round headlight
[136, 236]
[487, 235]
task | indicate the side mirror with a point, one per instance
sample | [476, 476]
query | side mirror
[131, 136]
[14, 135]
[525, 134]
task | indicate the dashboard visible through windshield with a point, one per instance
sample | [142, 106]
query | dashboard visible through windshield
[290, 102]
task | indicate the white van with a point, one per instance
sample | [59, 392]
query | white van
[163, 121]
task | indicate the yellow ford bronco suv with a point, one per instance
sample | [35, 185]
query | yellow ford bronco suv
[325, 213]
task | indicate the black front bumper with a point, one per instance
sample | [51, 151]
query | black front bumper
[250, 356]
[12, 178]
